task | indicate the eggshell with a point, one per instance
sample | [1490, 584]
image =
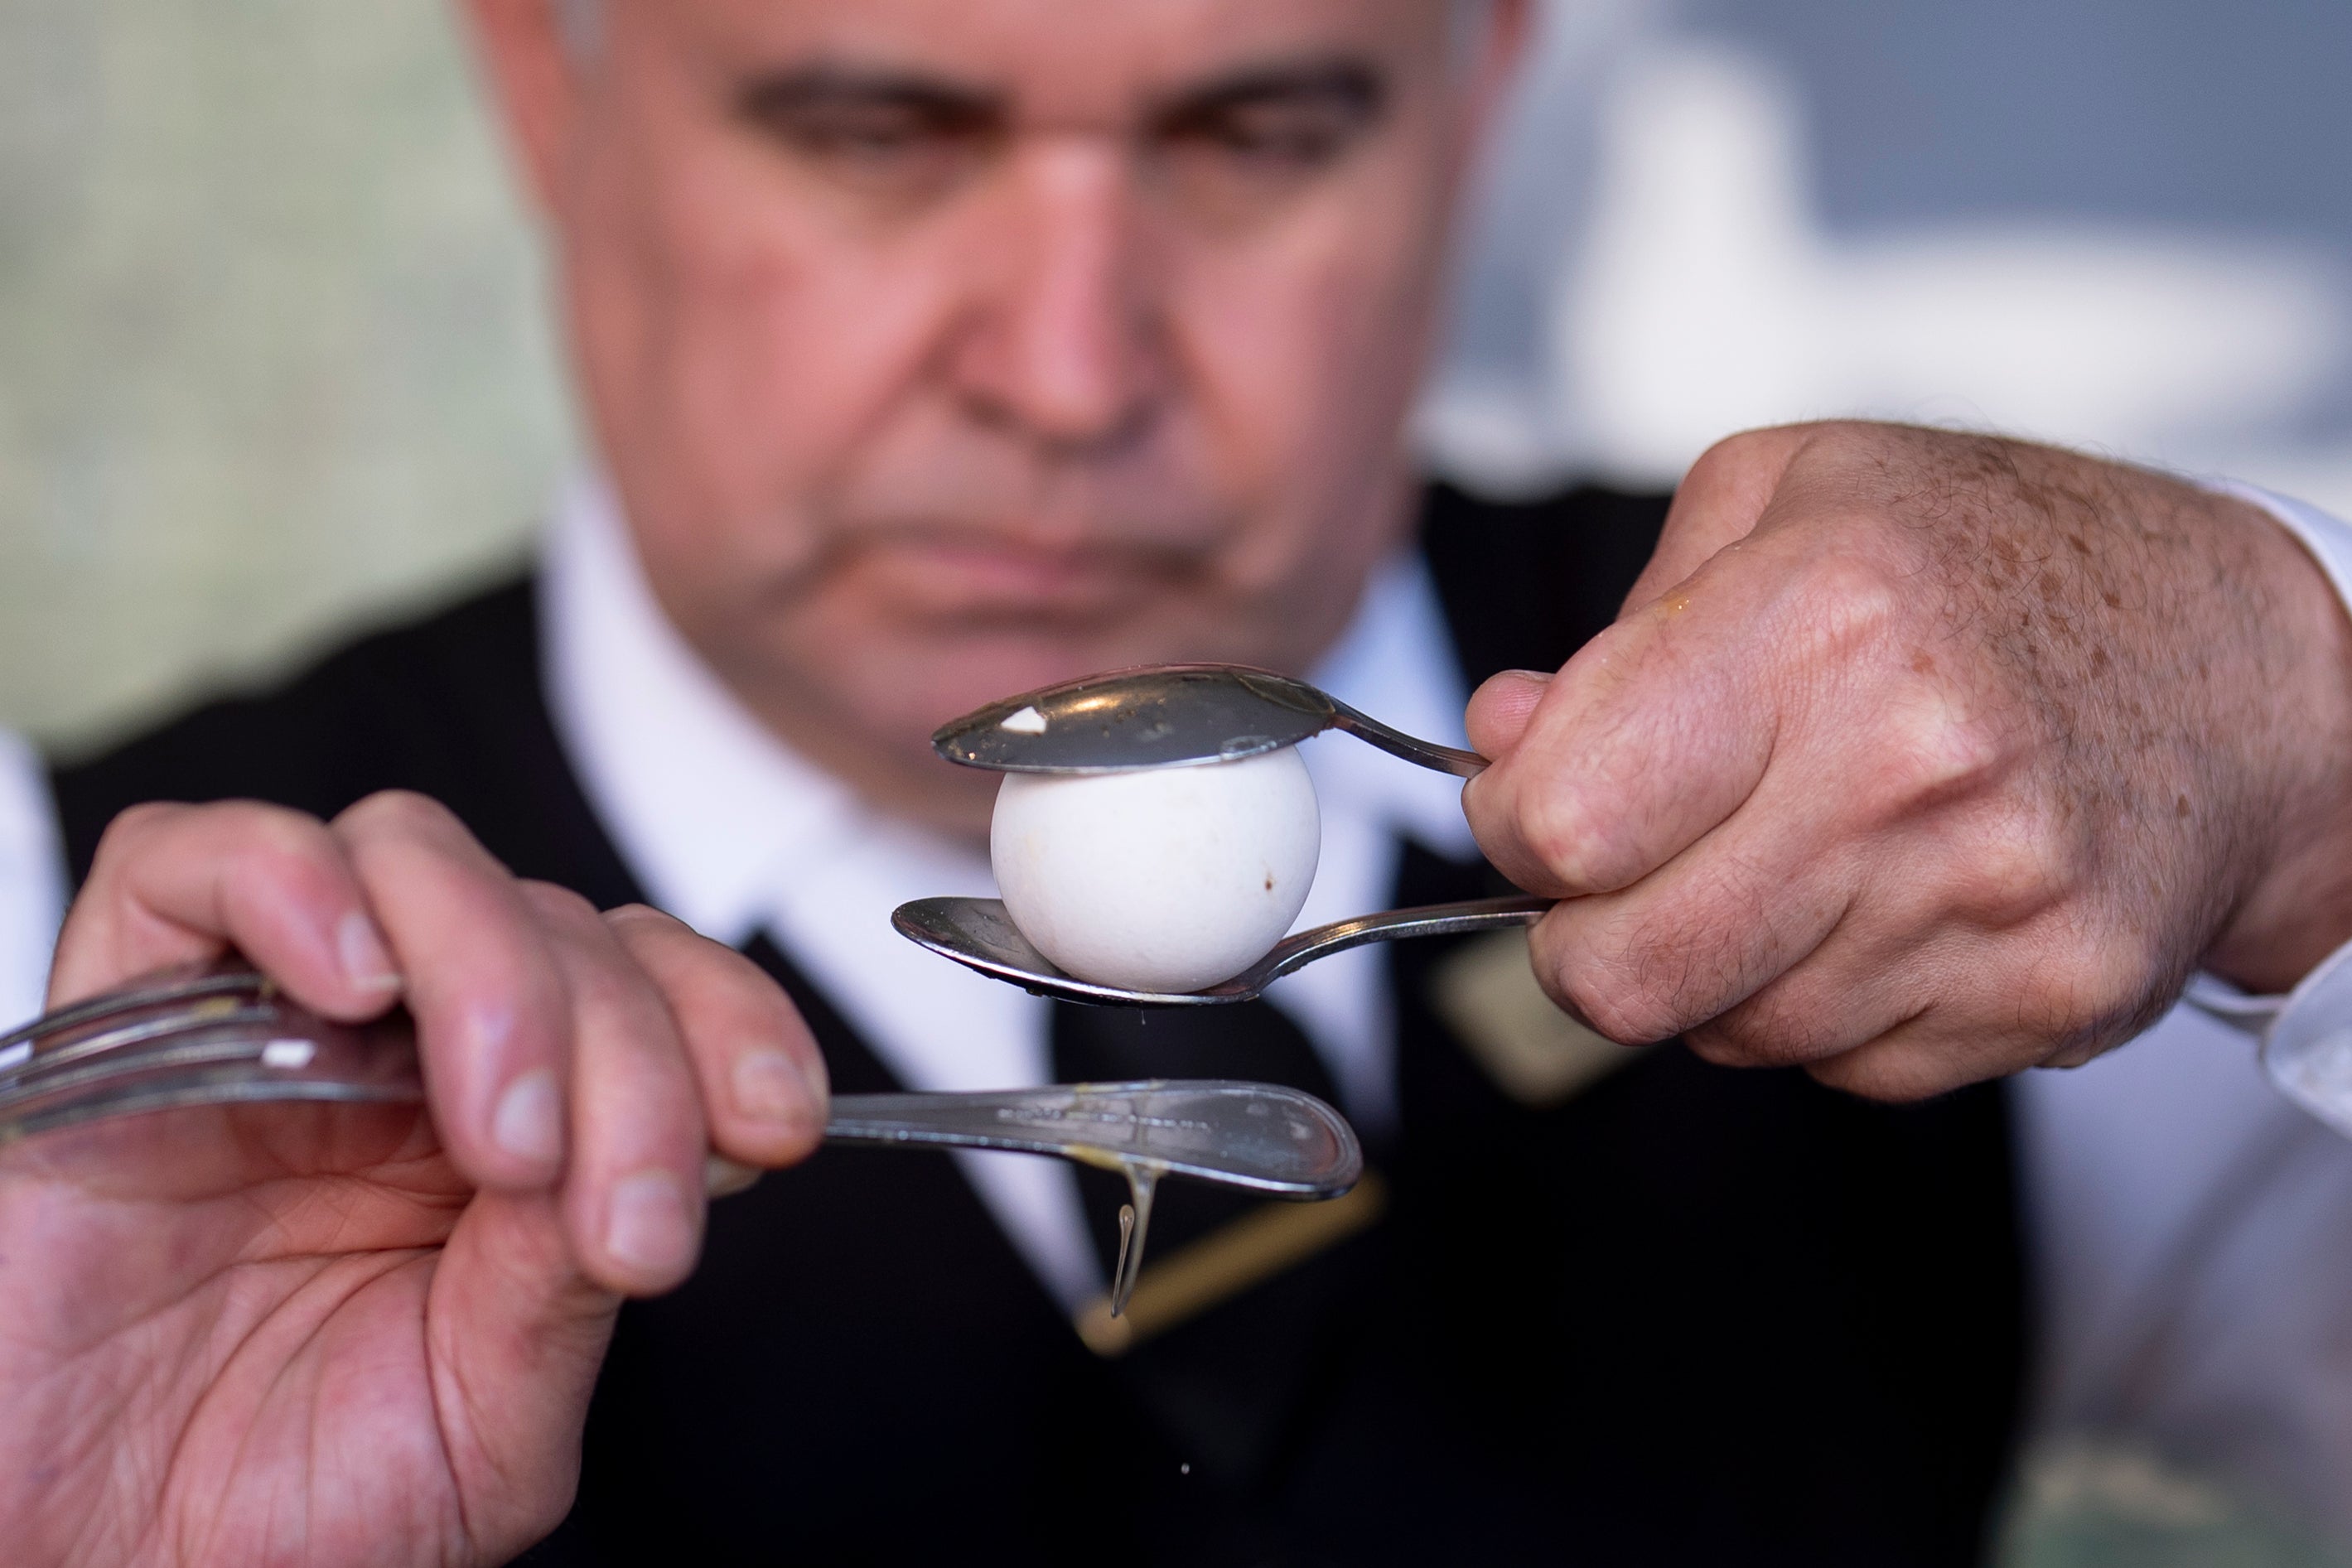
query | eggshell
[1165, 879]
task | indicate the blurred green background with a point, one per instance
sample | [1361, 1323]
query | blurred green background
[272, 343]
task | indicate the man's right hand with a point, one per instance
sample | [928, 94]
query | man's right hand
[367, 1334]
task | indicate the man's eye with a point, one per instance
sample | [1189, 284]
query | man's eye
[860, 132]
[1298, 137]
[1236, 163]
[889, 148]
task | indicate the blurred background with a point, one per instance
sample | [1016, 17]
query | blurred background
[274, 348]
[274, 352]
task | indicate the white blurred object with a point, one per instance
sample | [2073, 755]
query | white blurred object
[32, 882]
[1709, 298]
[1702, 293]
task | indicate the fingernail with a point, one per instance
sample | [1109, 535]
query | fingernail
[1539, 677]
[365, 963]
[723, 1178]
[528, 1122]
[649, 1227]
[768, 1086]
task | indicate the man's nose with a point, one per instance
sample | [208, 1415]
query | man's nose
[1062, 341]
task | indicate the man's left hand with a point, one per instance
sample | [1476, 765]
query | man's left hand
[1916, 758]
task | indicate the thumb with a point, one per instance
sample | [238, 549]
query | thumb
[1719, 504]
[1499, 711]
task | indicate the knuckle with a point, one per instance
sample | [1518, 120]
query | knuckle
[1851, 602]
[1569, 840]
[1778, 1027]
[1930, 749]
[399, 813]
[1728, 457]
[135, 824]
[1891, 1074]
[277, 830]
[1618, 1005]
[1742, 452]
[2089, 995]
[2013, 869]
[273, 846]
[560, 906]
[635, 923]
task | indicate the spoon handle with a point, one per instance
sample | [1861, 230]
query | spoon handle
[1397, 743]
[1396, 925]
[1261, 1136]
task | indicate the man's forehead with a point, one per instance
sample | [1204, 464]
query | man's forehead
[1044, 55]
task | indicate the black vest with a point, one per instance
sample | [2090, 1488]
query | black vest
[1688, 1316]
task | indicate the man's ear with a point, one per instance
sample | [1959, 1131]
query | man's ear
[534, 80]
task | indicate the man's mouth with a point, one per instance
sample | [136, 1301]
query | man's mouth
[994, 575]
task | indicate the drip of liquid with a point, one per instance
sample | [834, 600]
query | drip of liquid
[1134, 1219]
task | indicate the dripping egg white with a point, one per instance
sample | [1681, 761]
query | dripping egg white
[1164, 879]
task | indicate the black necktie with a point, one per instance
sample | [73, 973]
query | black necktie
[1223, 1382]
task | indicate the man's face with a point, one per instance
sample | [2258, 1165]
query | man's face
[942, 348]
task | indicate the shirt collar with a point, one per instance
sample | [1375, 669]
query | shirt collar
[704, 803]
[708, 808]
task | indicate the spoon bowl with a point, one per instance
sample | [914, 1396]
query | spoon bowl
[1168, 716]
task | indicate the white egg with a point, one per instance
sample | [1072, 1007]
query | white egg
[1165, 879]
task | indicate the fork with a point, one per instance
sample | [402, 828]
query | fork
[227, 1035]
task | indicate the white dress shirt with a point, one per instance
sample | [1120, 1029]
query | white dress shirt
[2192, 1259]
[729, 830]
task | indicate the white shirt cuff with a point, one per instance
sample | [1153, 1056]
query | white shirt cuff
[2306, 1034]
[32, 881]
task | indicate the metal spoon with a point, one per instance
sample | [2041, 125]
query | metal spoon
[230, 1037]
[1168, 716]
[980, 935]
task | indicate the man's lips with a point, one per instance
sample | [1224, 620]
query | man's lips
[996, 574]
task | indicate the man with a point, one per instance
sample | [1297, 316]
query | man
[936, 351]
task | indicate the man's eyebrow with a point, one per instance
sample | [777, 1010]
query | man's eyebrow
[1352, 85]
[945, 104]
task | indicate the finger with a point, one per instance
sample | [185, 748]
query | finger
[1820, 913]
[516, 1333]
[177, 884]
[1651, 735]
[493, 1019]
[1694, 940]
[1914, 1059]
[1853, 988]
[633, 1194]
[1932, 1052]
[2056, 1001]
[1718, 502]
[1500, 709]
[762, 1078]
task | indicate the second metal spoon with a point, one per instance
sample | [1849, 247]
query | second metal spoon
[980, 935]
[1168, 716]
